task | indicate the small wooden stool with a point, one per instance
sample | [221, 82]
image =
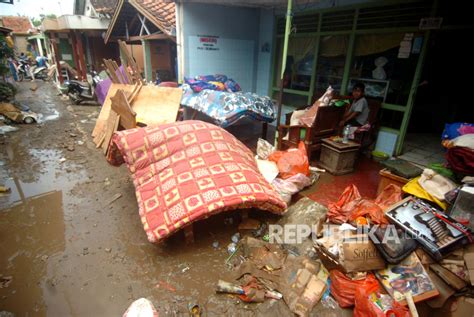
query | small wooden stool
[387, 178]
[338, 158]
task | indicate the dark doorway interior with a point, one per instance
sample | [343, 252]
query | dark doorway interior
[448, 75]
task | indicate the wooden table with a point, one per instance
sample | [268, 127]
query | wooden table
[338, 158]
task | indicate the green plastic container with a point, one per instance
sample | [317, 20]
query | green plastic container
[379, 156]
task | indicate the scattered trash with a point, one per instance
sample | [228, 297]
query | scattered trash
[116, 196]
[108, 250]
[7, 128]
[5, 281]
[62, 159]
[80, 142]
[16, 112]
[235, 238]
[185, 269]
[165, 285]
[4, 189]
[215, 244]
[140, 308]
[232, 248]
[194, 309]
[226, 287]
[260, 231]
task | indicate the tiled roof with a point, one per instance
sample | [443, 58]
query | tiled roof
[104, 6]
[19, 25]
[163, 11]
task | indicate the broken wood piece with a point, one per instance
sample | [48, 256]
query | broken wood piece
[445, 291]
[135, 92]
[111, 127]
[100, 141]
[120, 74]
[116, 196]
[111, 72]
[449, 277]
[131, 62]
[469, 259]
[128, 76]
[121, 106]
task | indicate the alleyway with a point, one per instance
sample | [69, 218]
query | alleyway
[71, 251]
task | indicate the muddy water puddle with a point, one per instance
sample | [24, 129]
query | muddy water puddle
[69, 253]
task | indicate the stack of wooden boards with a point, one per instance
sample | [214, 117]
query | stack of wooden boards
[127, 106]
[131, 73]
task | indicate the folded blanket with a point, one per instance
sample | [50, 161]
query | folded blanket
[226, 108]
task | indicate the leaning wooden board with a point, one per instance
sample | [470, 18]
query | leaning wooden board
[153, 105]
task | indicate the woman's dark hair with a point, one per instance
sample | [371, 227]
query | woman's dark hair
[359, 86]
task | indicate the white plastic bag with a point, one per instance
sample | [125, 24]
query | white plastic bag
[264, 149]
[141, 308]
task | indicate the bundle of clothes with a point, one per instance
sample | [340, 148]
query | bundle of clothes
[458, 138]
[212, 82]
[220, 98]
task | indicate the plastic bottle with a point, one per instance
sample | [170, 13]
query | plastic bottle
[345, 134]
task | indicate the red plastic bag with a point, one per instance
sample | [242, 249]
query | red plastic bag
[369, 209]
[368, 300]
[291, 161]
[390, 195]
[340, 211]
[344, 289]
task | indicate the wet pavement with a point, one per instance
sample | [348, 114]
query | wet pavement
[69, 251]
[66, 248]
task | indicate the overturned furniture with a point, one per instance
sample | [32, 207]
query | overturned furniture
[187, 171]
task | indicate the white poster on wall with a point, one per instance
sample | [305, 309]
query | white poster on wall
[210, 55]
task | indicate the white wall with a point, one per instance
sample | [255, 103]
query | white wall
[238, 34]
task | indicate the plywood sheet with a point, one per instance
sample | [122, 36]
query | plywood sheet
[157, 105]
[153, 105]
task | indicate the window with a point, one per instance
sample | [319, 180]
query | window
[331, 60]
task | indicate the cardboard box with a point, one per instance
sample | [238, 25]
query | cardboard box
[357, 253]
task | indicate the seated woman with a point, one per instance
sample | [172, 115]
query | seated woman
[358, 113]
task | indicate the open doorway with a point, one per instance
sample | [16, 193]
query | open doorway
[442, 96]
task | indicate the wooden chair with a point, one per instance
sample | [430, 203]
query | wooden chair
[325, 124]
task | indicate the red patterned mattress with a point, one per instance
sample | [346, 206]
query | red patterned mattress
[189, 170]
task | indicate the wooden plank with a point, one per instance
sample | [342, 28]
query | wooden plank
[157, 105]
[128, 76]
[112, 126]
[131, 62]
[448, 277]
[105, 110]
[121, 106]
[135, 91]
[110, 70]
[120, 74]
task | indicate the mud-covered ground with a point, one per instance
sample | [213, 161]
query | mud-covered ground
[70, 250]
